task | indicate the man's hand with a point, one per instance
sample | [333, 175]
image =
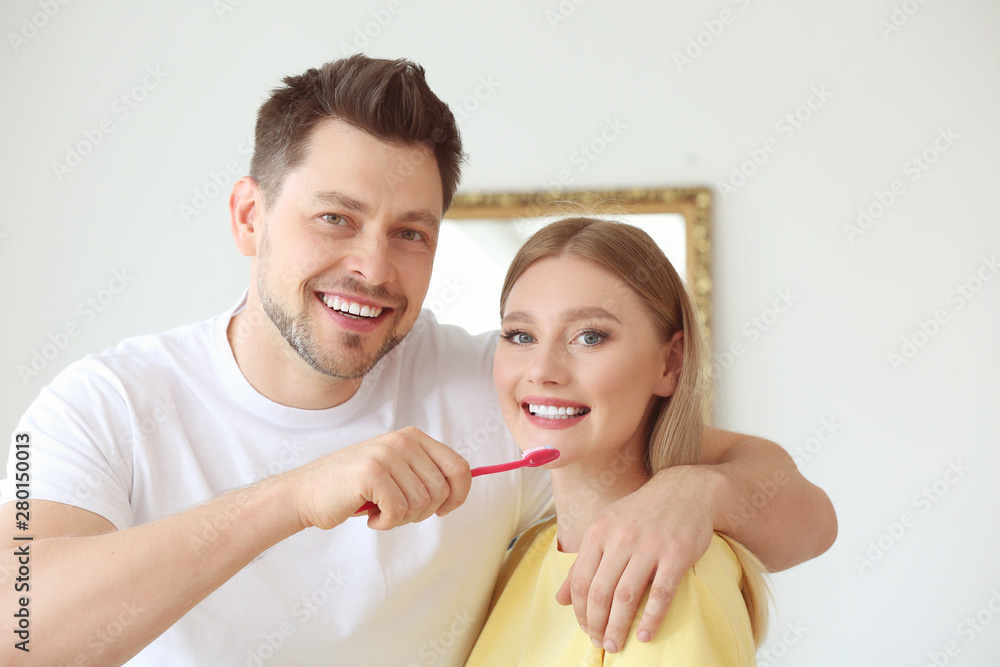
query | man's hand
[653, 536]
[648, 539]
[408, 474]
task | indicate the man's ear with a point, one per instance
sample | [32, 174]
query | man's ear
[245, 208]
[673, 357]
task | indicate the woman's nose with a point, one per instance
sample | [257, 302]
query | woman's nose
[548, 365]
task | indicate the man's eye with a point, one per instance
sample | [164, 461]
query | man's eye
[411, 235]
[334, 218]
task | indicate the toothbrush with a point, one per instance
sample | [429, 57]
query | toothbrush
[532, 458]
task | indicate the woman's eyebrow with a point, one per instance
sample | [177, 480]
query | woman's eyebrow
[572, 315]
[518, 316]
[588, 313]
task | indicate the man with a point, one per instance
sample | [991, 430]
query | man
[325, 387]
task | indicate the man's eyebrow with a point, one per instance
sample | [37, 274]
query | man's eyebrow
[340, 200]
[422, 216]
[572, 315]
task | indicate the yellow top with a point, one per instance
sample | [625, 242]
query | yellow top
[707, 623]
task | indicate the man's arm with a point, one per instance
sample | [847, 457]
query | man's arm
[84, 574]
[747, 487]
[765, 503]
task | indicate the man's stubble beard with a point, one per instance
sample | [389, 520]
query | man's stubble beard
[298, 330]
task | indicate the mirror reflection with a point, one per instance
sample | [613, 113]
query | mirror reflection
[481, 233]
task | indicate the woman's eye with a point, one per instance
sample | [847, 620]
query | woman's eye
[517, 337]
[334, 219]
[590, 338]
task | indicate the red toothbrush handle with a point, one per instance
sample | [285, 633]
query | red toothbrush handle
[500, 467]
[476, 472]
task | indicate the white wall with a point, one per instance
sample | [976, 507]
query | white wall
[551, 88]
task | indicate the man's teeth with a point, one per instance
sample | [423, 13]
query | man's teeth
[553, 412]
[345, 306]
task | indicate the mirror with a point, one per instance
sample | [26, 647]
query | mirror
[482, 232]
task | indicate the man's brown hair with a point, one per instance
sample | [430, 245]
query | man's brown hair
[388, 99]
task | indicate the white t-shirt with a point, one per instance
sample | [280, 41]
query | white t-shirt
[164, 422]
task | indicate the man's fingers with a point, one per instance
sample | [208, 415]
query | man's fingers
[408, 474]
[661, 594]
[584, 568]
[602, 595]
[454, 476]
[431, 477]
[625, 602]
[391, 508]
[564, 595]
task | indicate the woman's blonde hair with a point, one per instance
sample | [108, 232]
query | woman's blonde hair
[676, 424]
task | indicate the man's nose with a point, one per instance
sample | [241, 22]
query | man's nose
[370, 259]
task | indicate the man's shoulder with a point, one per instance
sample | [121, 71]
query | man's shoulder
[145, 358]
[193, 339]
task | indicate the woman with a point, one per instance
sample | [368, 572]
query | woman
[601, 358]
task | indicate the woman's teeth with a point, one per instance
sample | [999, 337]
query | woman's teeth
[553, 412]
[350, 307]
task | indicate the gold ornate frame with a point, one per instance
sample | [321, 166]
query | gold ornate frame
[695, 204]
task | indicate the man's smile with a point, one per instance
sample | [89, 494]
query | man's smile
[351, 307]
